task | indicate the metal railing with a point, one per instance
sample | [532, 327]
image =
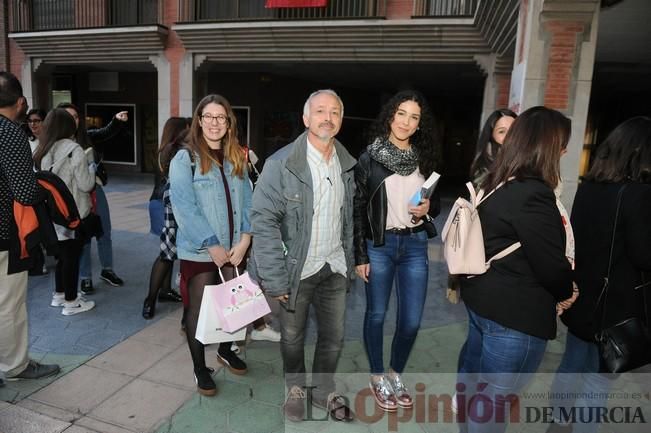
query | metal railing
[32, 15]
[244, 10]
[445, 8]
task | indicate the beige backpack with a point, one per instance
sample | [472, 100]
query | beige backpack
[463, 241]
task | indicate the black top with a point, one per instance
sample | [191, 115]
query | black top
[520, 291]
[593, 216]
[17, 180]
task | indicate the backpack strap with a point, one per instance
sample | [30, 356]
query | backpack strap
[505, 252]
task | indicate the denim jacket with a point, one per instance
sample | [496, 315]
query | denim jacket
[199, 205]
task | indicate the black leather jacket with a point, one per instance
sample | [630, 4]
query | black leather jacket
[370, 206]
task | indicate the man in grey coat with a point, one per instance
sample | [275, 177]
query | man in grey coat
[302, 226]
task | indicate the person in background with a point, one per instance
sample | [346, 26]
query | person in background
[97, 139]
[302, 222]
[389, 246]
[512, 307]
[162, 219]
[211, 198]
[489, 142]
[35, 118]
[17, 184]
[622, 165]
[64, 157]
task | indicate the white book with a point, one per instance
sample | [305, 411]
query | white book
[426, 190]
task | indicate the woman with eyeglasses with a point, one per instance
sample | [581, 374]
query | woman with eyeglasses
[211, 198]
[35, 118]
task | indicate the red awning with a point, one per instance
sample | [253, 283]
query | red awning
[270, 4]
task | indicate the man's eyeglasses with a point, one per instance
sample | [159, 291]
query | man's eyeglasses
[34, 121]
[208, 118]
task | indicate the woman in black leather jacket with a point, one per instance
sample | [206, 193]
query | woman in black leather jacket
[391, 234]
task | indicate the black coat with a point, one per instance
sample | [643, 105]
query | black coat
[521, 290]
[593, 216]
[370, 206]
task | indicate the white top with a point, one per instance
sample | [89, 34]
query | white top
[400, 189]
[325, 241]
[33, 144]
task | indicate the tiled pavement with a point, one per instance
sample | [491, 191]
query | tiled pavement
[122, 374]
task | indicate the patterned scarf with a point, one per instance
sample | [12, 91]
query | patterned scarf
[402, 162]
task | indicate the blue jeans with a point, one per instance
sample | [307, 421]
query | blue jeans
[578, 375]
[156, 216]
[403, 259]
[504, 360]
[104, 243]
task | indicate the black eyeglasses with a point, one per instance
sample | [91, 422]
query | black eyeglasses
[208, 118]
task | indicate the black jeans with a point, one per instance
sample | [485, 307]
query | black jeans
[326, 292]
[67, 270]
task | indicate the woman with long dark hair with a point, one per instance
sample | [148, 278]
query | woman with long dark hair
[97, 139]
[35, 118]
[512, 307]
[490, 139]
[391, 237]
[57, 152]
[620, 176]
[162, 219]
[211, 199]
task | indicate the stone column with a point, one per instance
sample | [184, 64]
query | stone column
[186, 85]
[27, 81]
[553, 66]
[164, 103]
[496, 86]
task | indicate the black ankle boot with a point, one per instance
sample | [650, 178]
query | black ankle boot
[148, 309]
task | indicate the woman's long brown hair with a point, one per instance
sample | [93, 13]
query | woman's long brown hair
[232, 149]
[532, 147]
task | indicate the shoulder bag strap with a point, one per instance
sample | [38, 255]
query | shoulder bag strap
[601, 300]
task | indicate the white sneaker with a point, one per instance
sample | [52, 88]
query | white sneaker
[58, 299]
[77, 306]
[265, 333]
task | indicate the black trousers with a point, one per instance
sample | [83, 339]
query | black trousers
[67, 270]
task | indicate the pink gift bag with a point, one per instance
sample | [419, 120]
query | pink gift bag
[238, 302]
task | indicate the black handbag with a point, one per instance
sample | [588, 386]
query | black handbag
[626, 345]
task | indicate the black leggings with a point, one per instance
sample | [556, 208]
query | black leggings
[191, 313]
[67, 270]
[160, 278]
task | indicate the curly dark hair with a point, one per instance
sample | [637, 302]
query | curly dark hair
[425, 141]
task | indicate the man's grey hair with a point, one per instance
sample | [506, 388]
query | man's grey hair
[306, 107]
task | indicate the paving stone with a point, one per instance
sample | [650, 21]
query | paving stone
[174, 369]
[270, 391]
[266, 419]
[141, 405]
[79, 429]
[162, 332]
[257, 371]
[15, 419]
[130, 357]
[199, 416]
[45, 409]
[101, 426]
[82, 390]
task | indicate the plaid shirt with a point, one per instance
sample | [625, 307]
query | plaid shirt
[325, 241]
[168, 235]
